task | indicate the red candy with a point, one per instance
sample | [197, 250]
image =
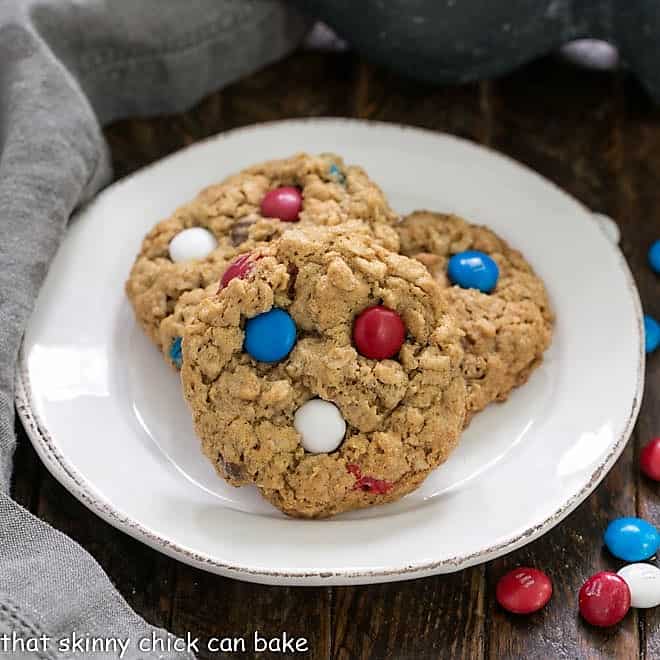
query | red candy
[368, 484]
[239, 267]
[604, 599]
[649, 459]
[523, 590]
[379, 332]
[283, 203]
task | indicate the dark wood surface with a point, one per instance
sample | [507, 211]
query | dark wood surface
[597, 136]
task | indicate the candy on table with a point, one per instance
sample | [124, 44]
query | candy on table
[654, 256]
[283, 203]
[631, 539]
[523, 590]
[175, 352]
[239, 267]
[649, 459]
[193, 243]
[270, 336]
[378, 332]
[604, 599]
[651, 333]
[320, 425]
[643, 580]
[473, 270]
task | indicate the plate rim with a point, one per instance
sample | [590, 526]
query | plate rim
[83, 490]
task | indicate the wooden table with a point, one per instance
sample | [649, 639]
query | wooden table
[597, 136]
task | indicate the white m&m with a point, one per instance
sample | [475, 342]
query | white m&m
[321, 426]
[193, 243]
[643, 580]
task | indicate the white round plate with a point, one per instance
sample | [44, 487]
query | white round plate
[107, 417]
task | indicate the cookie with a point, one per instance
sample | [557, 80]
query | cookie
[282, 393]
[507, 330]
[191, 249]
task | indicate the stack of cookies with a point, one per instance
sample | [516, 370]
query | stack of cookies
[331, 353]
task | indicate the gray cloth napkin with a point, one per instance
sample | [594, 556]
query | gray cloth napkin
[67, 66]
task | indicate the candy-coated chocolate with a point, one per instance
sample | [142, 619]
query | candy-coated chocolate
[654, 256]
[473, 270]
[193, 243]
[283, 203]
[604, 599]
[378, 332]
[649, 459]
[239, 267]
[643, 580]
[631, 539]
[651, 333]
[270, 336]
[176, 353]
[523, 590]
[320, 425]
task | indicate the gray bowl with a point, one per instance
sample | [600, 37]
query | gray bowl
[449, 41]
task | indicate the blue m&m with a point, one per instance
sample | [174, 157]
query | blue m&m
[632, 539]
[175, 352]
[473, 270]
[270, 336]
[654, 256]
[651, 333]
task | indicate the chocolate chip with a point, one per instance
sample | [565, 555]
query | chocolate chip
[232, 470]
[239, 232]
[293, 275]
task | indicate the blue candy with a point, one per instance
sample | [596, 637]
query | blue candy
[473, 270]
[651, 333]
[270, 337]
[654, 256]
[175, 352]
[337, 174]
[632, 539]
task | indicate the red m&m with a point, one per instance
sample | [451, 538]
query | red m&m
[283, 203]
[378, 332]
[604, 599]
[649, 459]
[523, 590]
[239, 267]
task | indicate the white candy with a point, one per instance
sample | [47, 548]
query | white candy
[193, 243]
[643, 581]
[321, 426]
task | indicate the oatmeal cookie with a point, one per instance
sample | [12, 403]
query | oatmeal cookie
[191, 249]
[506, 330]
[283, 395]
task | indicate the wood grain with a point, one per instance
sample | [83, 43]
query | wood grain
[27, 471]
[307, 84]
[385, 96]
[215, 607]
[437, 617]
